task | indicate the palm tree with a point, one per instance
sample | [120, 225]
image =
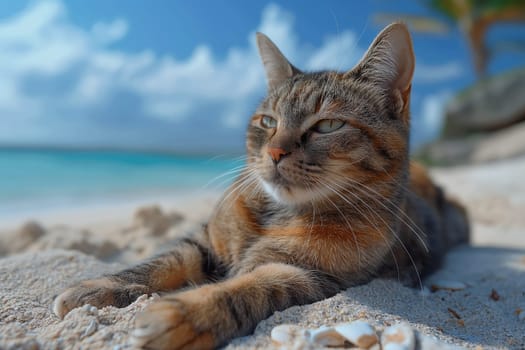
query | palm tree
[474, 18]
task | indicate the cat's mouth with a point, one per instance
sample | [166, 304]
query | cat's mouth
[284, 190]
[279, 179]
[288, 187]
[277, 185]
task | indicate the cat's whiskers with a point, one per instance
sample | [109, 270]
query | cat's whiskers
[230, 174]
[369, 209]
[404, 218]
[253, 183]
[347, 223]
[312, 221]
[390, 229]
[219, 156]
[245, 179]
[404, 188]
[233, 171]
[373, 223]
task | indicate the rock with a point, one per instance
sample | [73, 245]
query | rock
[80, 240]
[102, 249]
[503, 144]
[491, 104]
[154, 219]
[32, 230]
[21, 239]
[448, 152]
[26, 235]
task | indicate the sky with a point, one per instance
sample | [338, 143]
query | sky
[185, 76]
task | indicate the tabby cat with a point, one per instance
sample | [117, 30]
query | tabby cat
[328, 199]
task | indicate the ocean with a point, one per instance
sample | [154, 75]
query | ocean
[32, 178]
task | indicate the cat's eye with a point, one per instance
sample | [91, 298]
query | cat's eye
[268, 122]
[325, 126]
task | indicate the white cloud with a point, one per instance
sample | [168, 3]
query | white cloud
[338, 52]
[55, 73]
[438, 73]
[59, 79]
[278, 25]
[433, 109]
[429, 116]
[110, 32]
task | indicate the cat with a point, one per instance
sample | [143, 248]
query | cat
[328, 200]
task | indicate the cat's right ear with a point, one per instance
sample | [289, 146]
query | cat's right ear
[390, 61]
[277, 67]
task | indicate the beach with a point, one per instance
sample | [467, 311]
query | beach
[44, 251]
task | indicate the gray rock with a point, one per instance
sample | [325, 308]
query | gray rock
[17, 241]
[155, 220]
[491, 104]
[503, 144]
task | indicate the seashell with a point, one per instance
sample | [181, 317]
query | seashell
[398, 337]
[90, 329]
[326, 336]
[286, 334]
[90, 309]
[359, 333]
[447, 285]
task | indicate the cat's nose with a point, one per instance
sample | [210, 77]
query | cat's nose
[277, 153]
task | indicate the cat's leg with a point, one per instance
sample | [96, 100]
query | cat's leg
[212, 314]
[190, 262]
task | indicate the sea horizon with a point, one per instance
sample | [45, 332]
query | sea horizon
[58, 177]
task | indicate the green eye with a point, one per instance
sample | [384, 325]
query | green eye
[327, 125]
[268, 122]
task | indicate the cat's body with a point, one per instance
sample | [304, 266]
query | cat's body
[328, 200]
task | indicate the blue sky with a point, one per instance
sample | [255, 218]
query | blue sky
[184, 75]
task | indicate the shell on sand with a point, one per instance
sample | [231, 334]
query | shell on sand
[398, 337]
[327, 336]
[359, 333]
[285, 334]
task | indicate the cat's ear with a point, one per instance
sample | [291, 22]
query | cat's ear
[277, 67]
[390, 59]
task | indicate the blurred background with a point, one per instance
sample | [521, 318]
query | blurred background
[103, 99]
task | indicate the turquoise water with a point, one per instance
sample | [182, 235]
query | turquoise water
[61, 176]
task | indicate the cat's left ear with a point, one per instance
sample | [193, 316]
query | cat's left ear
[277, 67]
[390, 60]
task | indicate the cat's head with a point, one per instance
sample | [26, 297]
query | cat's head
[320, 133]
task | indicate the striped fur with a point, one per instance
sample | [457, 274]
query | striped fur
[312, 213]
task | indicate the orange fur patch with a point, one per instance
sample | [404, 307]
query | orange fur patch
[420, 182]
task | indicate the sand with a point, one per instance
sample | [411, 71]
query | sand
[42, 257]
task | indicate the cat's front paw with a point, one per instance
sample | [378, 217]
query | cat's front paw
[171, 323]
[99, 292]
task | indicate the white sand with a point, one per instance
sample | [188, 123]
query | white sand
[468, 318]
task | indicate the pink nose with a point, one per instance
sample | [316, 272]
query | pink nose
[277, 153]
